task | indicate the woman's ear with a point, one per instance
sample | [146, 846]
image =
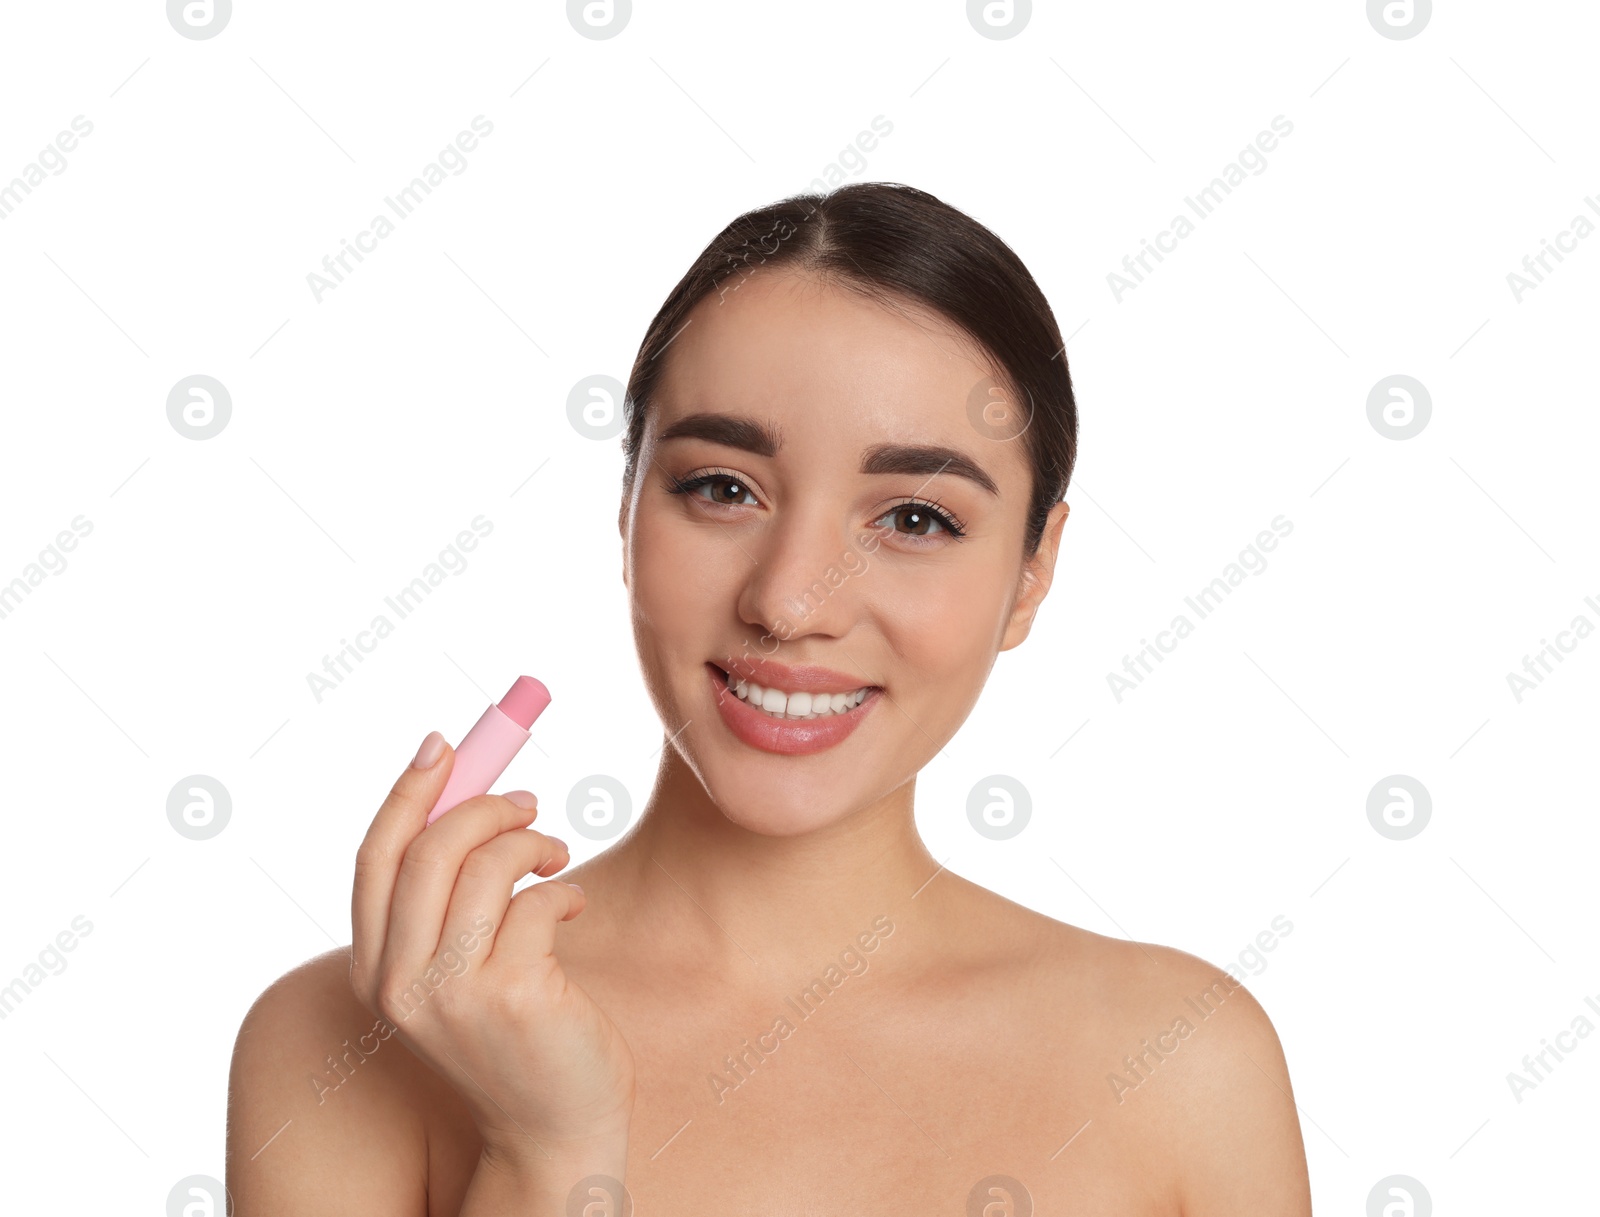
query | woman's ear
[1036, 577]
[622, 531]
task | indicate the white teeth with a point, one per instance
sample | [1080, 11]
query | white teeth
[793, 706]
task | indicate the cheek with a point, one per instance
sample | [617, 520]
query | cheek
[944, 621]
[682, 583]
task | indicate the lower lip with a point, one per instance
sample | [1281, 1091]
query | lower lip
[791, 737]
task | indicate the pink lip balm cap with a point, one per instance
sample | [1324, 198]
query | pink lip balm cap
[525, 701]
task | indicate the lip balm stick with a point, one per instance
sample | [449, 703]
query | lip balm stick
[486, 750]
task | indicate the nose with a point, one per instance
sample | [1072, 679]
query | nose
[802, 580]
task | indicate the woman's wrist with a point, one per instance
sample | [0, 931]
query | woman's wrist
[530, 1178]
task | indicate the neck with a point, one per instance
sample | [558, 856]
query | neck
[690, 890]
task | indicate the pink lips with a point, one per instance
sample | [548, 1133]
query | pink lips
[789, 738]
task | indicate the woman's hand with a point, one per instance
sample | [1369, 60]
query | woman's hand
[467, 974]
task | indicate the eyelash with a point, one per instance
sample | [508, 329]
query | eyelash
[946, 518]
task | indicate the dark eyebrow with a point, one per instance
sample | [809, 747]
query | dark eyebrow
[728, 429]
[924, 459]
[752, 435]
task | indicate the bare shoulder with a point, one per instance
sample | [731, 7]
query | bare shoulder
[1185, 1059]
[324, 1102]
[1168, 1063]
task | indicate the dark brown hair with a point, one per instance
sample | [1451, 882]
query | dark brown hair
[892, 243]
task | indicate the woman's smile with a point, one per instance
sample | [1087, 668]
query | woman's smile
[792, 721]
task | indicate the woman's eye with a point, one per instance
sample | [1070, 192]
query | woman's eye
[919, 521]
[725, 490]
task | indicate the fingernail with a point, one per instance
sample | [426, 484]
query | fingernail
[432, 749]
[522, 798]
[574, 885]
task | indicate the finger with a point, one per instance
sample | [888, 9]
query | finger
[428, 874]
[528, 927]
[483, 888]
[399, 820]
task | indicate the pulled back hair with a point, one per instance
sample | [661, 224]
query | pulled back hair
[895, 243]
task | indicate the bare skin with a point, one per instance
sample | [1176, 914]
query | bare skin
[958, 1036]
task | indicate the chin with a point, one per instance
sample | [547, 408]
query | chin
[749, 803]
[768, 821]
[767, 794]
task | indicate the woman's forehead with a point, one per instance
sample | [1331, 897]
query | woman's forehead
[787, 341]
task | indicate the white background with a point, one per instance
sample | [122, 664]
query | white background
[430, 387]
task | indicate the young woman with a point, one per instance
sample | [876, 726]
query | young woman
[850, 428]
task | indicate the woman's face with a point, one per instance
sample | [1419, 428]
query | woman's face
[809, 458]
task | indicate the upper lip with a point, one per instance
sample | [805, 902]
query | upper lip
[796, 678]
